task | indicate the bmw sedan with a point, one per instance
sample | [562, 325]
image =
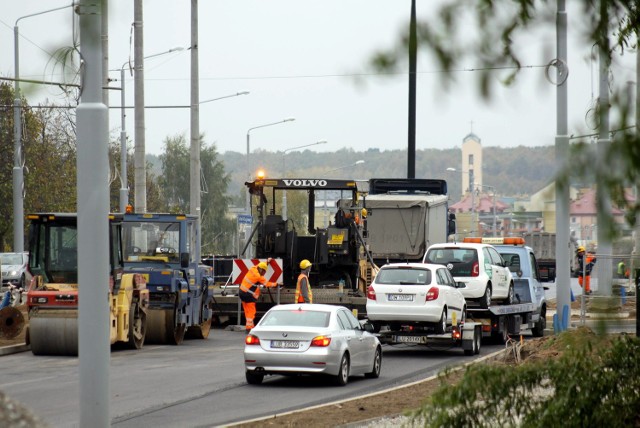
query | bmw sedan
[311, 339]
[418, 294]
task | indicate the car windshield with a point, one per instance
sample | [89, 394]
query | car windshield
[296, 318]
[460, 261]
[405, 276]
[151, 241]
[11, 259]
[512, 261]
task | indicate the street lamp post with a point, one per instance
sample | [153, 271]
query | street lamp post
[289, 119]
[473, 199]
[18, 173]
[493, 190]
[359, 162]
[284, 172]
[124, 187]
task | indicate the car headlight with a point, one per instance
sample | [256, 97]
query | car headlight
[13, 273]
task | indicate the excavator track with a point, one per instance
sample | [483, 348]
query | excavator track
[54, 333]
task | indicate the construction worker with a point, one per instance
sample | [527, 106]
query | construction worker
[622, 272]
[303, 287]
[585, 265]
[249, 292]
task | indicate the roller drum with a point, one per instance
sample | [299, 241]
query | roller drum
[162, 327]
[54, 334]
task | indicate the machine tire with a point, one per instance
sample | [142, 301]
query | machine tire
[343, 373]
[441, 326]
[485, 300]
[377, 365]
[511, 297]
[477, 337]
[21, 284]
[541, 325]
[137, 327]
[202, 330]
[253, 378]
[500, 338]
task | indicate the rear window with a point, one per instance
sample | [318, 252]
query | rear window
[460, 261]
[405, 276]
[295, 318]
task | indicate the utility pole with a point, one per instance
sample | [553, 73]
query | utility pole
[603, 197]
[93, 226]
[194, 199]
[413, 61]
[140, 172]
[563, 277]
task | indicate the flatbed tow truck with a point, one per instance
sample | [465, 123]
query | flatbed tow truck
[466, 335]
[497, 322]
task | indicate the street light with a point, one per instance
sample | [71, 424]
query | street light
[284, 172]
[473, 200]
[289, 119]
[226, 96]
[359, 162]
[18, 173]
[124, 187]
[493, 190]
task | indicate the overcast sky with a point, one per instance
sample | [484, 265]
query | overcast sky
[300, 59]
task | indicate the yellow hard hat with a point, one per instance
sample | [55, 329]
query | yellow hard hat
[580, 249]
[305, 264]
[262, 265]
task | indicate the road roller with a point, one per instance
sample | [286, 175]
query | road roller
[163, 248]
[52, 298]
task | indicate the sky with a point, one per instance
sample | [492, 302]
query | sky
[305, 60]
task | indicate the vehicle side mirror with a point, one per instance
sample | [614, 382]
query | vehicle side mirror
[460, 284]
[184, 260]
[368, 327]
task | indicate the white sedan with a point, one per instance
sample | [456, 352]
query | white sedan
[416, 294]
[311, 339]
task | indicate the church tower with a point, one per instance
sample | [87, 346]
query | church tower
[471, 163]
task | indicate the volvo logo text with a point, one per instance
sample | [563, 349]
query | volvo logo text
[305, 183]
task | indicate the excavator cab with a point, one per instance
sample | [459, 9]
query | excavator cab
[333, 245]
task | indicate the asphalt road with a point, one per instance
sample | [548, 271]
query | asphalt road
[200, 383]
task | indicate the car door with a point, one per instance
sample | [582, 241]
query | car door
[500, 272]
[356, 339]
[454, 299]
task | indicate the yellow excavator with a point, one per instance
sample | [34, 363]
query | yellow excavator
[52, 298]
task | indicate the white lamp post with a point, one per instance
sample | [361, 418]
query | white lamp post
[124, 187]
[284, 173]
[359, 162]
[289, 119]
[18, 174]
[473, 200]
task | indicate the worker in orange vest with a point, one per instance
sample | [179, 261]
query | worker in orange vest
[585, 266]
[249, 292]
[303, 287]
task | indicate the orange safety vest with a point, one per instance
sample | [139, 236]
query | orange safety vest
[298, 298]
[250, 287]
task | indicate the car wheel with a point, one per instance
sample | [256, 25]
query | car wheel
[442, 324]
[343, 373]
[510, 300]
[254, 378]
[485, 300]
[478, 338]
[376, 326]
[538, 328]
[377, 365]
[21, 284]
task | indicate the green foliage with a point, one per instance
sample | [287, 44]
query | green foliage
[594, 382]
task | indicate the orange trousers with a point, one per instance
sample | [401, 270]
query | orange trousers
[249, 309]
[587, 283]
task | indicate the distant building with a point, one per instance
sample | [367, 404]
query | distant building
[471, 162]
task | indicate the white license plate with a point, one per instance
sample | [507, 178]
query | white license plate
[409, 339]
[286, 344]
[400, 297]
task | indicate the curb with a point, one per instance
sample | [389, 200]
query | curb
[14, 349]
[333, 403]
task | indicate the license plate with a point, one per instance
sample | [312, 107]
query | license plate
[400, 297]
[286, 344]
[409, 339]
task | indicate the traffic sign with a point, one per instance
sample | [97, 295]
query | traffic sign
[242, 266]
[245, 219]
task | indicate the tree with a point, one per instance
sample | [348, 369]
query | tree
[494, 46]
[217, 228]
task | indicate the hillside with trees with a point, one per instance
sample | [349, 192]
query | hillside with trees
[518, 171]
